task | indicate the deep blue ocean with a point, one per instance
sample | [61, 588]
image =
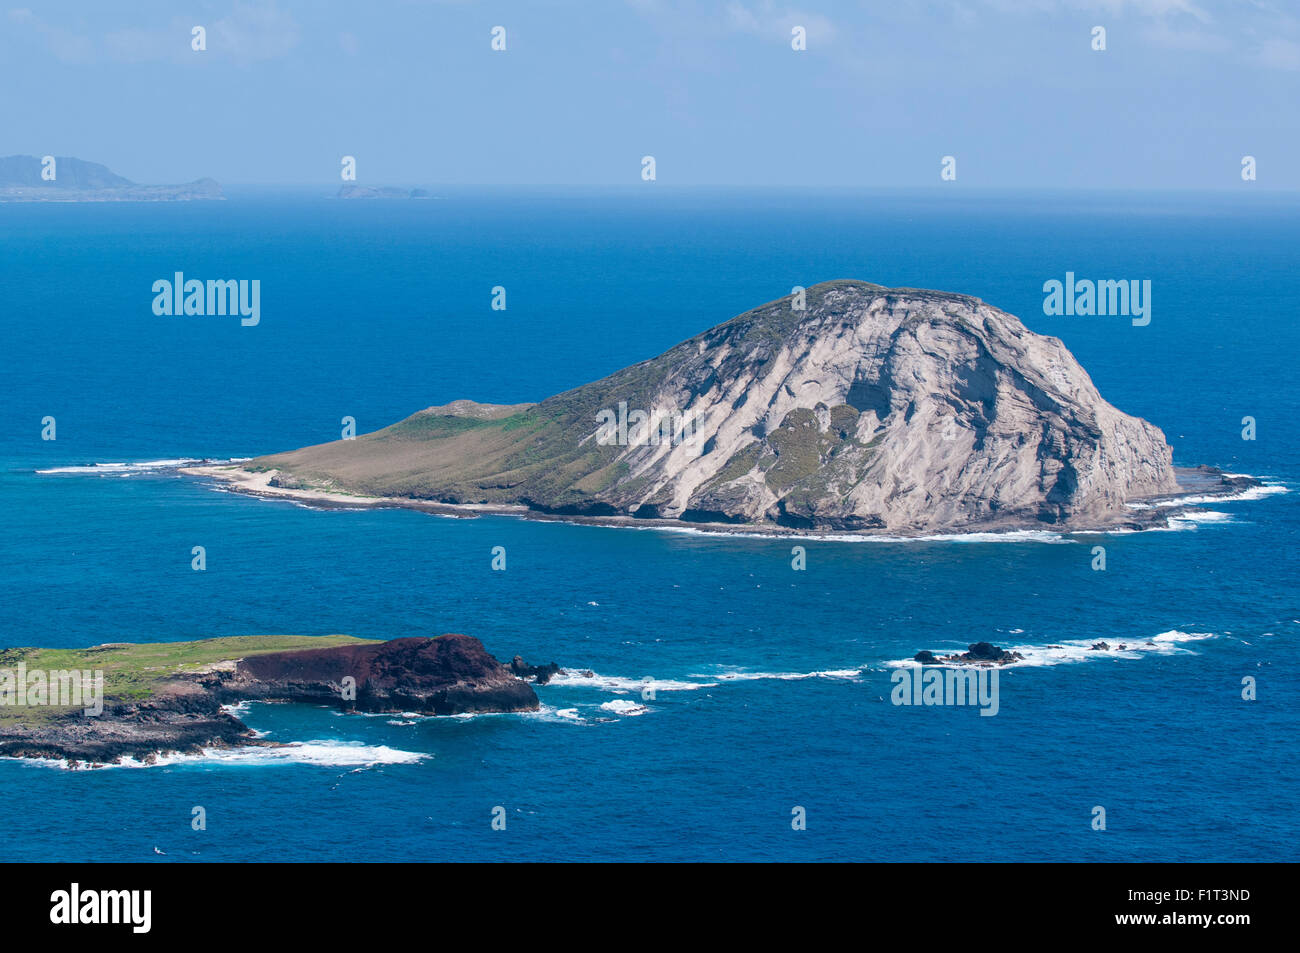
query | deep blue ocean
[772, 686]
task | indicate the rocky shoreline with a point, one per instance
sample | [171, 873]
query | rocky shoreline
[187, 711]
[988, 655]
[1145, 513]
[978, 653]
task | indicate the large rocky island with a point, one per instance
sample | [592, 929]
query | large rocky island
[173, 696]
[868, 410]
[76, 180]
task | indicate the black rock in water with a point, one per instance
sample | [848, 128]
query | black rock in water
[541, 674]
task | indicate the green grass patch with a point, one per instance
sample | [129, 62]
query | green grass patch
[133, 671]
[433, 426]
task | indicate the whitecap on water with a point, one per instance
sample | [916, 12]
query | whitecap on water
[737, 675]
[323, 753]
[623, 707]
[1081, 650]
[618, 683]
[142, 466]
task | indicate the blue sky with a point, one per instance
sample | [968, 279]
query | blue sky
[713, 90]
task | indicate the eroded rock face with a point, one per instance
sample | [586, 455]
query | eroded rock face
[892, 409]
[448, 675]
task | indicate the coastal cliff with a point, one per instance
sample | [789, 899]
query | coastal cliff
[447, 675]
[869, 409]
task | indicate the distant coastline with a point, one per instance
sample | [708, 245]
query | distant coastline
[69, 179]
[353, 191]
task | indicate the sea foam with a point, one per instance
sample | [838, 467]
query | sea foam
[143, 466]
[322, 753]
[1080, 650]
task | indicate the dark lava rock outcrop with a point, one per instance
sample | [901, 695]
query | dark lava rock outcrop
[977, 653]
[541, 674]
[448, 675]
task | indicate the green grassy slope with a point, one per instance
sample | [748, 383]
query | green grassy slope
[133, 671]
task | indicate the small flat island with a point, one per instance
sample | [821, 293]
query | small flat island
[173, 696]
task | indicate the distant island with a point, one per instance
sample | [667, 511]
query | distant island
[354, 191]
[171, 696]
[848, 407]
[76, 180]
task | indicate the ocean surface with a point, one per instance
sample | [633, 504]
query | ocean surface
[771, 686]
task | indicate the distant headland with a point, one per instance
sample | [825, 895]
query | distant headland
[68, 179]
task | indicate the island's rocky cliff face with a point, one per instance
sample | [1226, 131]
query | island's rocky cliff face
[872, 409]
[449, 675]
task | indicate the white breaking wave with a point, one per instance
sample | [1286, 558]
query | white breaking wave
[623, 707]
[1010, 536]
[544, 712]
[320, 753]
[1196, 499]
[736, 675]
[1203, 516]
[1174, 635]
[143, 466]
[1081, 650]
[1250, 493]
[621, 684]
[329, 753]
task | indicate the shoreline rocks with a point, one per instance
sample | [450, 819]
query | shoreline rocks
[977, 653]
[541, 674]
